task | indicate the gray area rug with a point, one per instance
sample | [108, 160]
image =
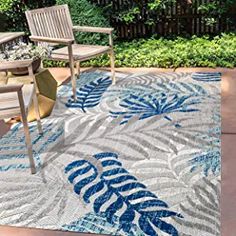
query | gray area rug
[139, 158]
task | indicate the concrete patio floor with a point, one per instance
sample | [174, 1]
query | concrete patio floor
[228, 112]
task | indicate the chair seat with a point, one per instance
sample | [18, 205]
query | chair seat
[81, 52]
[9, 103]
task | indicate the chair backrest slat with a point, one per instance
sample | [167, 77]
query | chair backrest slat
[52, 22]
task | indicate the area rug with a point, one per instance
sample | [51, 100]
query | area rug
[138, 158]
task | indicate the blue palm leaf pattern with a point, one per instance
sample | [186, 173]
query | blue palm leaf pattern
[148, 105]
[89, 95]
[206, 77]
[128, 199]
[208, 161]
[97, 223]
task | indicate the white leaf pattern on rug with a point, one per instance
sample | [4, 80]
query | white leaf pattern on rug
[165, 130]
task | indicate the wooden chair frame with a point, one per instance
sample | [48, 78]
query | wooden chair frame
[53, 25]
[23, 111]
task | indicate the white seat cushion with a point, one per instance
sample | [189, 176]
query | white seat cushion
[9, 102]
[80, 51]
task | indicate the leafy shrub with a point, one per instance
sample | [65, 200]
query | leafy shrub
[130, 11]
[3, 20]
[13, 12]
[82, 12]
[215, 9]
[180, 52]
[85, 13]
[166, 53]
[145, 17]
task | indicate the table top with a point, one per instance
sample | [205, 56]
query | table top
[9, 36]
[7, 65]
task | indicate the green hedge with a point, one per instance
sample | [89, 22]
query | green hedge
[166, 53]
[83, 12]
[180, 52]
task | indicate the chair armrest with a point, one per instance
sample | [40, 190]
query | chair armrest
[52, 40]
[10, 88]
[93, 29]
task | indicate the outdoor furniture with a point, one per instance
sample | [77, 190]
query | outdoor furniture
[9, 37]
[53, 25]
[15, 101]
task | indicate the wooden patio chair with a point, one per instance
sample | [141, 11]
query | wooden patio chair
[53, 25]
[15, 100]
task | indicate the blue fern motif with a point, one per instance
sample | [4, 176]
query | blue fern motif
[209, 161]
[89, 95]
[148, 105]
[206, 77]
[97, 223]
[128, 199]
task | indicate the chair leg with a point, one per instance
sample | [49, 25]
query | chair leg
[37, 114]
[29, 147]
[28, 143]
[27, 133]
[112, 59]
[73, 81]
[35, 100]
[6, 71]
[78, 69]
[41, 64]
[72, 71]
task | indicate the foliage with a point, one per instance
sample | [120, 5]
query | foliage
[205, 198]
[108, 188]
[167, 17]
[180, 52]
[97, 223]
[23, 51]
[148, 105]
[90, 94]
[52, 63]
[6, 5]
[82, 12]
[132, 11]
[212, 10]
[85, 13]
[215, 7]
[3, 26]
[14, 11]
